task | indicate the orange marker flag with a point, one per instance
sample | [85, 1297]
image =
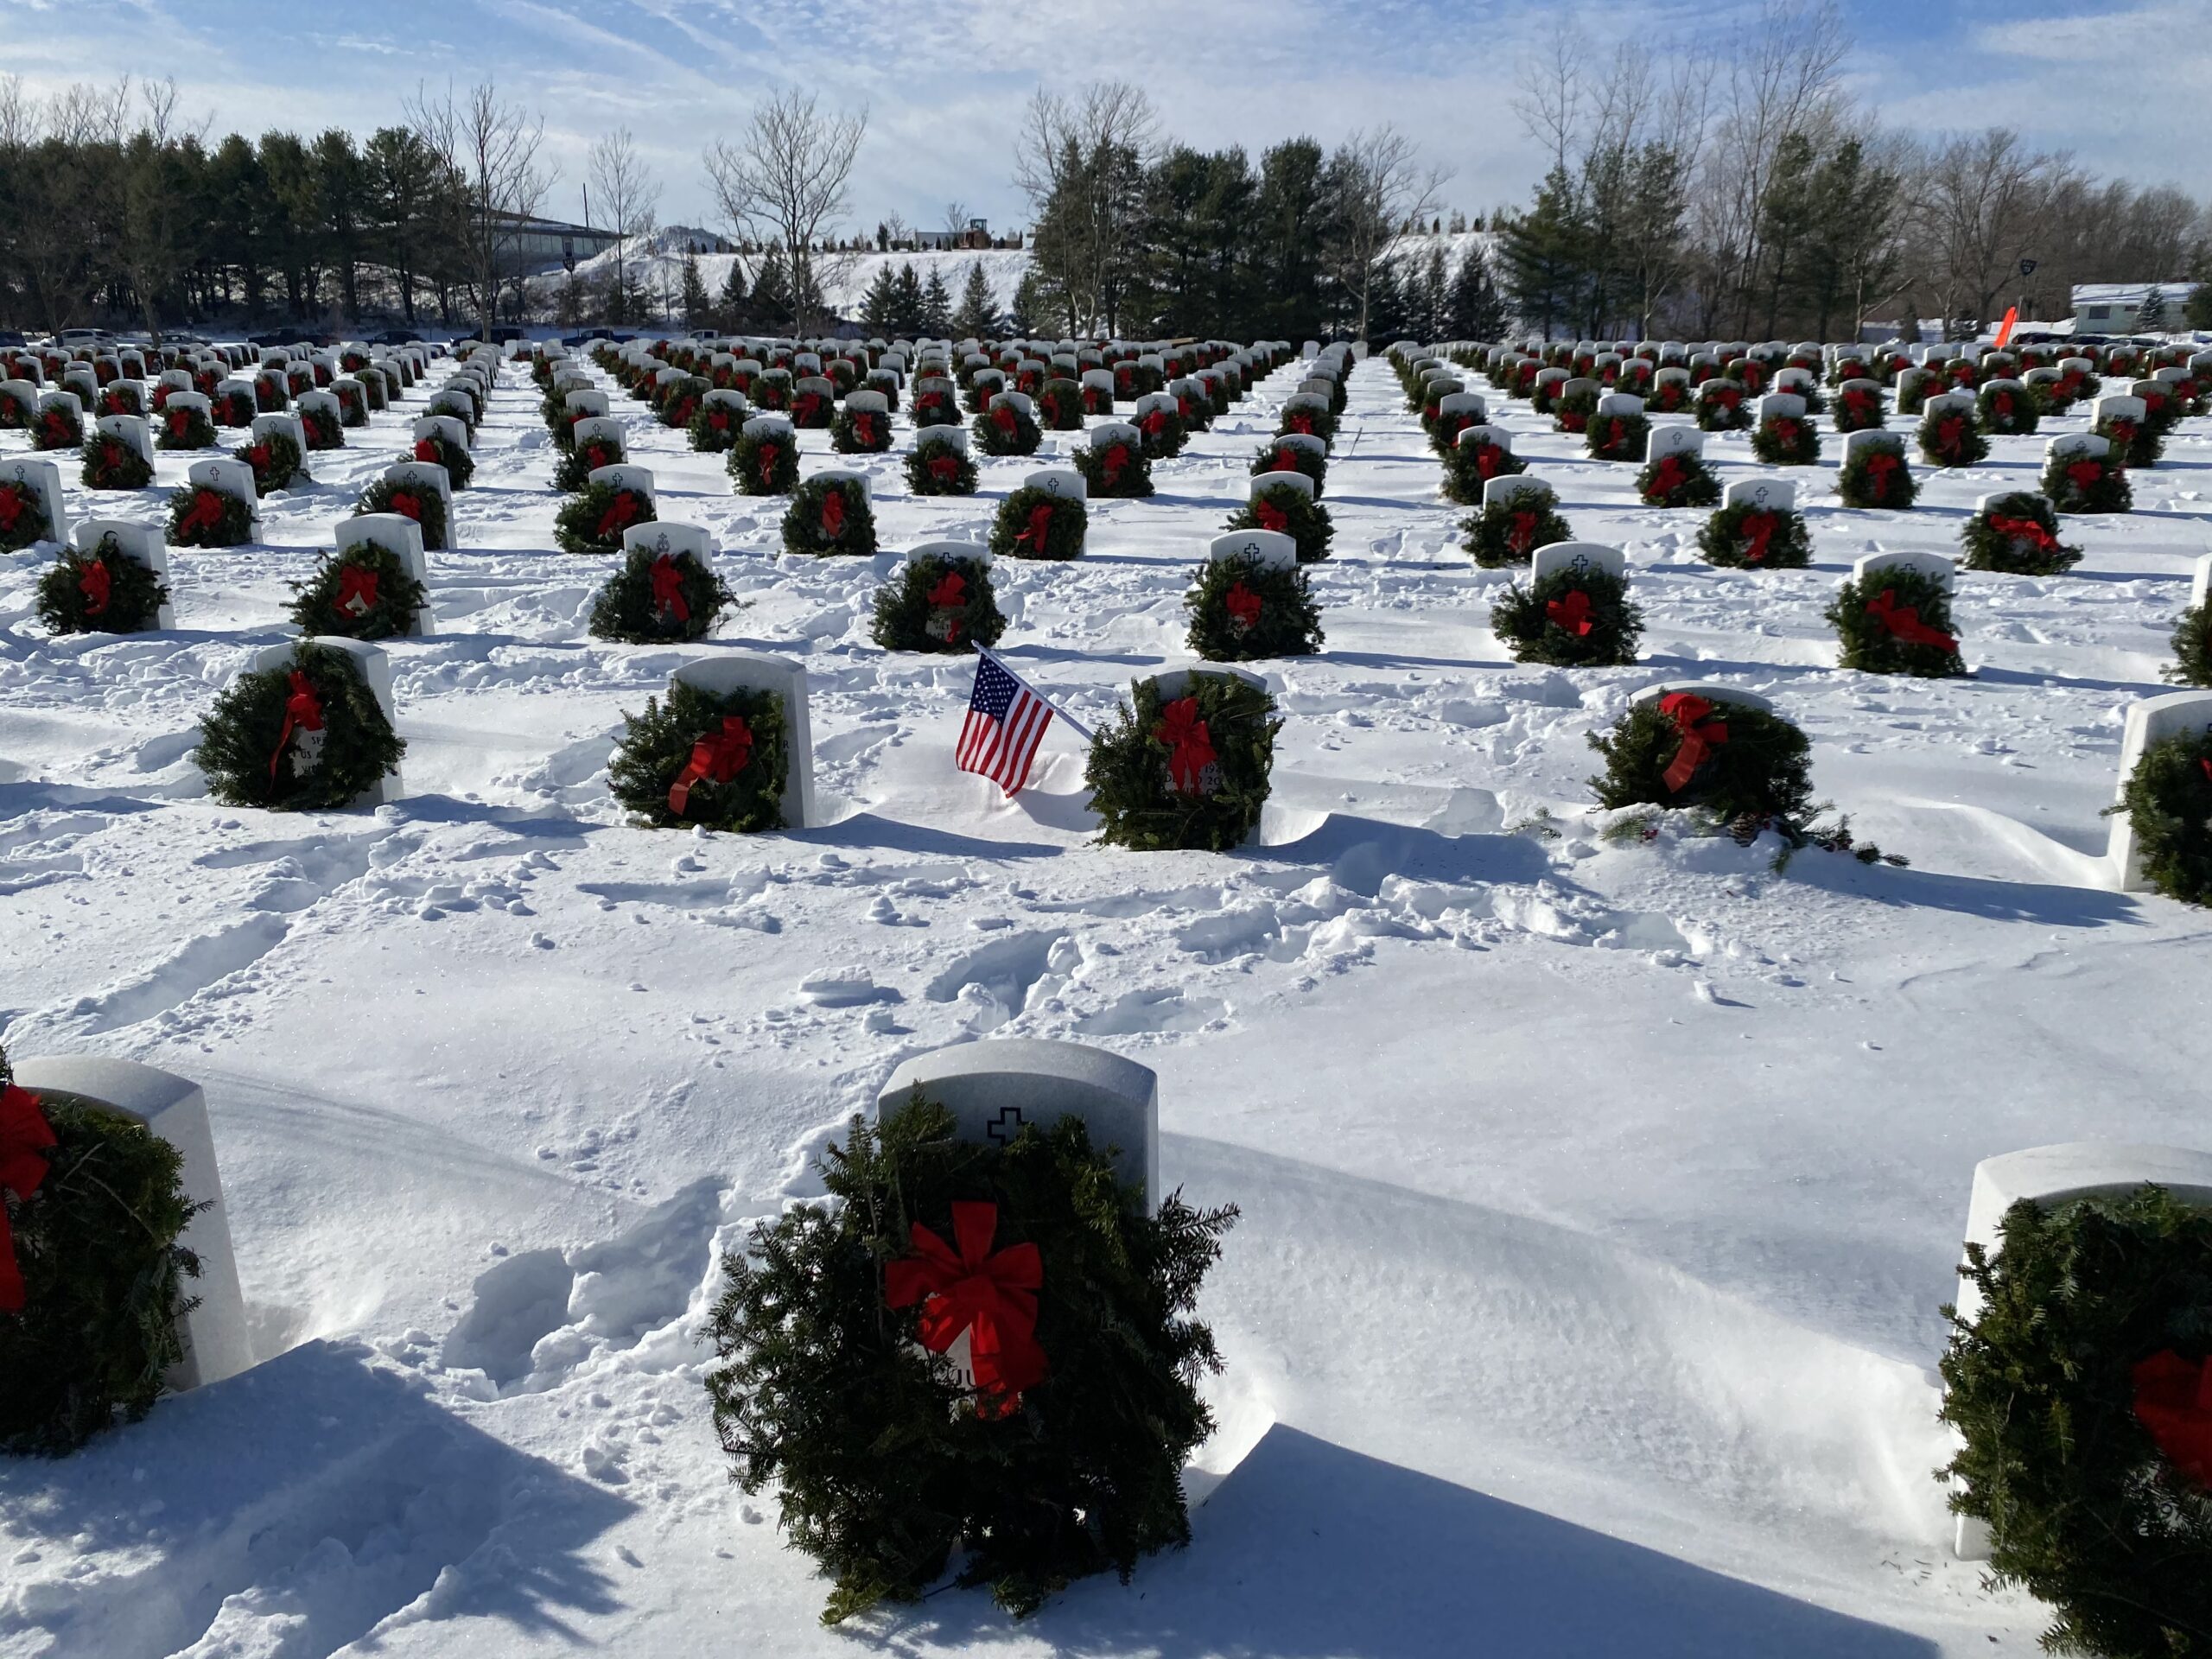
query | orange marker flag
[2004, 328]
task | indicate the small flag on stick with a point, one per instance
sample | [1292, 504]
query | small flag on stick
[1006, 719]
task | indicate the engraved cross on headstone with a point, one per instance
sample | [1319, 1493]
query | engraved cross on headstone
[1003, 1127]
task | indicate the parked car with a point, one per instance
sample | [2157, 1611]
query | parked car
[74, 337]
[12, 337]
[396, 337]
[504, 332]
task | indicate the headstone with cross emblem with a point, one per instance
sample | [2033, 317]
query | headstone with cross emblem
[995, 1088]
[1574, 558]
[2151, 720]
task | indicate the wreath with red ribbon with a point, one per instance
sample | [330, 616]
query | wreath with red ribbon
[308, 736]
[1749, 536]
[938, 603]
[99, 591]
[2079, 483]
[593, 520]
[1192, 771]
[362, 592]
[200, 516]
[704, 760]
[764, 463]
[1242, 611]
[658, 595]
[1877, 476]
[1570, 619]
[1035, 523]
[425, 506]
[828, 517]
[1896, 620]
[1509, 531]
[1118, 470]
[1741, 767]
[2018, 534]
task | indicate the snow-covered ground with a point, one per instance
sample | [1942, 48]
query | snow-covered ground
[1598, 1202]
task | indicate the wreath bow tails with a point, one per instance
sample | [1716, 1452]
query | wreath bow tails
[1189, 746]
[717, 758]
[25, 1138]
[1701, 735]
[989, 1296]
[2173, 1401]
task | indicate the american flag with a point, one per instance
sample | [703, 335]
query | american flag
[1006, 722]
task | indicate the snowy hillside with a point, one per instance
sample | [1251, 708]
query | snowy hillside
[847, 275]
[1597, 1200]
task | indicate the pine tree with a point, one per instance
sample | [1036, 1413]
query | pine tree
[771, 285]
[697, 308]
[936, 304]
[978, 315]
[731, 308]
[1472, 308]
[880, 305]
[1386, 304]
[2151, 317]
[1543, 256]
[906, 314]
[1435, 292]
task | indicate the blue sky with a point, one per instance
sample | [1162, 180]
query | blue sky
[2122, 84]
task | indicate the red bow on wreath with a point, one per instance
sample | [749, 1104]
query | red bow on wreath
[57, 424]
[668, 589]
[944, 467]
[1758, 529]
[1668, 476]
[180, 422]
[1950, 435]
[25, 1135]
[950, 591]
[618, 517]
[1904, 622]
[1522, 537]
[94, 583]
[2085, 475]
[1004, 418]
[302, 712]
[716, 758]
[1880, 465]
[2173, 1400]
[1243, 606]
[1286, 461]
[1784, 429]
[990, 1295]
[1270, 516]
[2023, 530]
[1040, 526]
[1116, 459]
[1572, 613]
[356, 590]
[425, 450]
[1300, 421]
[768, 456]
[1487, 458]
[1699, 737]
[833, 514]
[205, 513]
[407, 503]
[1190, 745]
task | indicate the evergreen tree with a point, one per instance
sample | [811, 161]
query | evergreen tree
[1032, 307]
[2151, 317]
[978, 314]
[936, 304]
[1472, 308]
[880, 305]
[1543, 251]
[2197, 308]
[906, 313]
[698, 310]
[771, 285]
[1435, 292]
[1387, 317]
[731, 307]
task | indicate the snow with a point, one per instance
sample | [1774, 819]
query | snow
[1598, 1200]
[845, 277]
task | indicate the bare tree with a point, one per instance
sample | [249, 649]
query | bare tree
[1081, 162]
[1985, 202]
[1382, 186]
[490, 150]
[785, 181]
[956, 216]
[154, 204]
[629, 197]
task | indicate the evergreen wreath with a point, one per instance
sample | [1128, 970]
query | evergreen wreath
[307, 737]
[593, 520]
[1005, 430]
[681, 400]
[1616, 437]
[1118, 472]
[659, 598]
[714, 427]
[1192, 773]
[1877, 475]
[1059, 402]
[362, 592]
[940, 603]
[2087, 484]
[59, 426]
[99, 591]
[124, 397]
[23, 515]
[1668, 397]
[438, 450]
[1722, 407]
[354, 407]
[1509, 532]
[862, 432]
[573, 471]
[323, 428]
[1242, 611]
[184, 428]
[1787, 440]
[2137, 443]
[274, 460]
[1133, 380]
[1291, 458]
[99, 1208]
[1164, 434]
[203, 517]
[764, 463]
[1571, 411]
[938, 466]
[1948, 437]
[2005, 411]
[1316, 422]
[828, 517]
[17, 412]
[2017, 534]
[1288, 511]
[1224, 393]
[884, 1466]
[1570, 619]
[2075, 1389]
[1680, 479]
[936, 406]
[705, 760]
[1468, 467]
[2168, 800]
[1034, 524]
[1857, 409]
[425, 506]
[1896, 620]
[2192, 663]
[111, 464]
[1739, 767]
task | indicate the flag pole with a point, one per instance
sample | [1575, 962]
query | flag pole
[1074, 725]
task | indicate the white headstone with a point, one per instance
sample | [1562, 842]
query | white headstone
[661, 537]
[376, 669]
[1107, 433]
[425, 475]
[2151, 720]
[439, 426]
[1469, 436]
[141, 543]
[402, 537]
[131, 430]
[1782, 406]
[2067, 445]
[228, 475]
[588, 402]
[950, 437]
[2120, 406]
[597, 429]
[997, 1088]
[772, 427]
[1576, 556]
[1296, 482]
[216, 1342]
[1934, 566]
[1057, 480]
[1868, 438]
[1711, 693]
[1673, 439]
[1274, 550]
[736, 670]
[1620, 403]
[1504, 490]
[623, 476]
